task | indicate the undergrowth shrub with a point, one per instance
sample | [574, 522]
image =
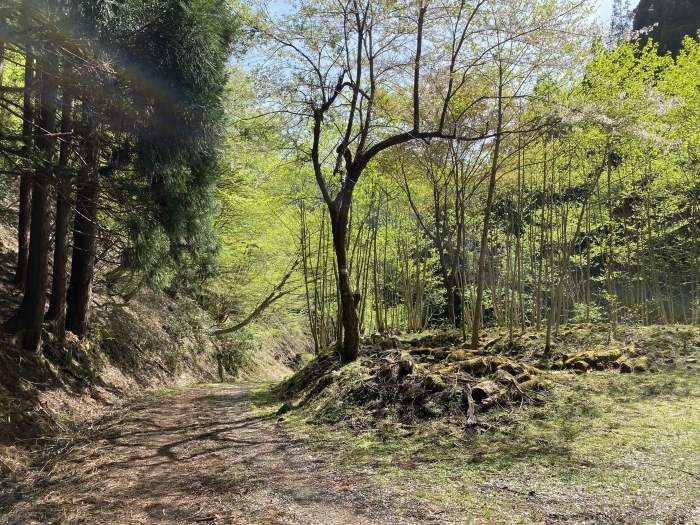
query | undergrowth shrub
[235, 351]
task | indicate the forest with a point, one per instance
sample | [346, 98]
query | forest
[349, 261]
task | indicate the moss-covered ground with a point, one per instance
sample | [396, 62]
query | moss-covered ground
[598, 447]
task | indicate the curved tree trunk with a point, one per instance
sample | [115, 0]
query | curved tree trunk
[277, 293]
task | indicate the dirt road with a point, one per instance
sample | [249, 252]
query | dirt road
[202, 457]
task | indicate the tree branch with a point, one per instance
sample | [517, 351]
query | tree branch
[273, 296]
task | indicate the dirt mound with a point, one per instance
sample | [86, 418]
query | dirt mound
[407, 378]
[590, 347]
[407, 382]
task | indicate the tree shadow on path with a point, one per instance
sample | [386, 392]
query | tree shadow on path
[202, 457]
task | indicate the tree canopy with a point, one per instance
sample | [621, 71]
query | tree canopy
[374, 167]
[669, 20]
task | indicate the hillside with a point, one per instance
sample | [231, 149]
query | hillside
[152, 342]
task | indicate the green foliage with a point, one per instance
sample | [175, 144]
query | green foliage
[150, 254]
[236, 350]
[177, 148]
[602, 204]
[582, 312]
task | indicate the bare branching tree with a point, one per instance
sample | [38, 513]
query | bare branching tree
[358, 77]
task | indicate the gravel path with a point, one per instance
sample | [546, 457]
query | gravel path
[202, 457]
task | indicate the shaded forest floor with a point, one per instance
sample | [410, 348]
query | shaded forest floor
[605, 448]
[200, 455]
[153, 341]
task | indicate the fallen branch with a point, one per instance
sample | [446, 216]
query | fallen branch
[471, 415]
[276, 293]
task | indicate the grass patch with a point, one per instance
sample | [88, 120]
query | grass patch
[174, 390]
[605, 448]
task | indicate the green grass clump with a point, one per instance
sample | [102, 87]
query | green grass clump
[604, 447]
